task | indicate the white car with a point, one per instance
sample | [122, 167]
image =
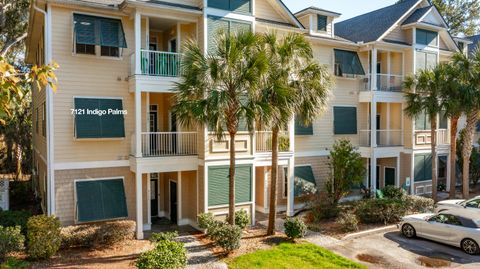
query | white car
[446, 227]
[471, 206]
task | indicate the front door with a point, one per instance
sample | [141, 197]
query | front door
[154, 195]
[389, 176]
[173, 202]
[377, 184]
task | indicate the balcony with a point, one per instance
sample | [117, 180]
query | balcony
[385, 83]
[164, 144]
[264, 141]
[385, 138]
[159, 63]
[424, 137]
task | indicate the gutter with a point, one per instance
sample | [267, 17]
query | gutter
[49, 107]
[159, 5]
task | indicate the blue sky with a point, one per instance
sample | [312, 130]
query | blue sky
[348, 8]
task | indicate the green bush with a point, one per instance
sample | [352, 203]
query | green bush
[348, 221]
[208, 222]
[11, 240]
[13, 263]
[43, 236]
[100, 234]
[166, 255]
[418, 204]
[228, 236]
[324, 210]
[295, 228]
[380, 210]
[393, 192]
[158, 237]
[15, 218]
[242, 219]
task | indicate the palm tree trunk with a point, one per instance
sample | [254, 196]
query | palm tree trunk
[453, 156]
[18, 157]
[231, 182]
[433, 132]
[272, 214]
[472, 118]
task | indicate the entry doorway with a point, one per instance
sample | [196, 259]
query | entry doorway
[389, 176]
[154, 195]
[173, 202]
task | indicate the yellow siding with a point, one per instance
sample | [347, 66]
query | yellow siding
[189, 195]
[398, 34]
[264, 10]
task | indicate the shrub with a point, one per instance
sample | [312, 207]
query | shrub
[101, 234]
[15, 218]
[166, 255]
[348, 221]
[242, 219]
[295, 228]
[13, 263]
[380, 210]
[393, 192]
[228, 236]
[324, 210]
[43, 236]
[11, 240]
[418, 204]
[205, 220]
[158, 237]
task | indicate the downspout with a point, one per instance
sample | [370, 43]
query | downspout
[49, 106]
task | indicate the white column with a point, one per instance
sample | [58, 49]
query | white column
[373, 87]
[147, 33]
[412, 174]
[388, 125]
[291, 187]
[397, 170]
[291, 134]
[373, 122]
[389, 69]
[138, 123]
[149, 204]
[179, 198]
[448, 172]
[138, 41]
[373, 172]
[179, 37]
[254, 182]
[139, 205]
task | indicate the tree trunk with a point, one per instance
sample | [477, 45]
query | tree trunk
[272, 214]
[231, 182]
[433, 131]
[472, 118]
[453, 156]
[18, 157]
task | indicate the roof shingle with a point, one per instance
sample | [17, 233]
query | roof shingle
[417, 15]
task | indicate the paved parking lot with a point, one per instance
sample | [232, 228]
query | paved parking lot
[392, 250]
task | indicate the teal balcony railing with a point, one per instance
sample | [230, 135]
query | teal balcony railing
[160, 63]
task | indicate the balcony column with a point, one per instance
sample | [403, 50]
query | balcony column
[291, 134]
[138, 123]
[448, 172]
[397, 171]
[291, 187]
[388, 129]
[139, 205]
[389, 69]
[179, 198]
[138, 41]
[373, 172]
[373, 122]
[373, 69]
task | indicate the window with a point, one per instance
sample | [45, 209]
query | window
[98, 118]
[218, 185]
[344, 120]
[304, 180]
[100, 200]
[452, 220]
[475, 203]
[322, 23]
[426, 37]
[347, 63]
[423, 167]
[422, 121]
[37, 117]
[443, 124]
[240, 6]
[92, 32]
[301, 129]
[442, 166]
[44, 119]
[425, 60]
[461, 46]
[217, 25]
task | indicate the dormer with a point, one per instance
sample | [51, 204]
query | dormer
[318, 21]
[463, 44]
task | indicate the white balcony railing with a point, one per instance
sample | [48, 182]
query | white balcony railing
[424, 137]
[385, 82]
[158, 63]
[158, 144]
[385, 138]
[264, 141]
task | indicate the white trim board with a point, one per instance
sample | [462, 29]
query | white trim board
[91, 165]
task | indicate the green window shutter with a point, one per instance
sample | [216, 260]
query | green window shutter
[344, 120]
[236, 27]
[321, 23]
[241, 6]
[218, 185]
[112, 125]
[428, 167]
[348, 62]
[422, 121]
[94, 126]
[92, 30]
[100, 200]
[419, 170]
[426, 37]
[300, 129]
[87, 126]
[443, 124]
[220, 4]
[214, 27]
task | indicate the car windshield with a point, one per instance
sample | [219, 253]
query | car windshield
[473, 203]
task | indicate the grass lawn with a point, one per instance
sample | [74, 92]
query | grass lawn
[293, 256]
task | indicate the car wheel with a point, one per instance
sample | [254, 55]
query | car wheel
[470, 246]
[408, 231]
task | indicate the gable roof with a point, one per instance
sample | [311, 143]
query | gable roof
[371, 26]
[417, 15]
[316, 9]
[476, 42]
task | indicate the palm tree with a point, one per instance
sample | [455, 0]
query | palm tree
[470, 80]
[452, 105]
[293, 83]
[217, 90]
[425, 97]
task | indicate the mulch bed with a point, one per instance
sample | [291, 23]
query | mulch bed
[333, 229]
